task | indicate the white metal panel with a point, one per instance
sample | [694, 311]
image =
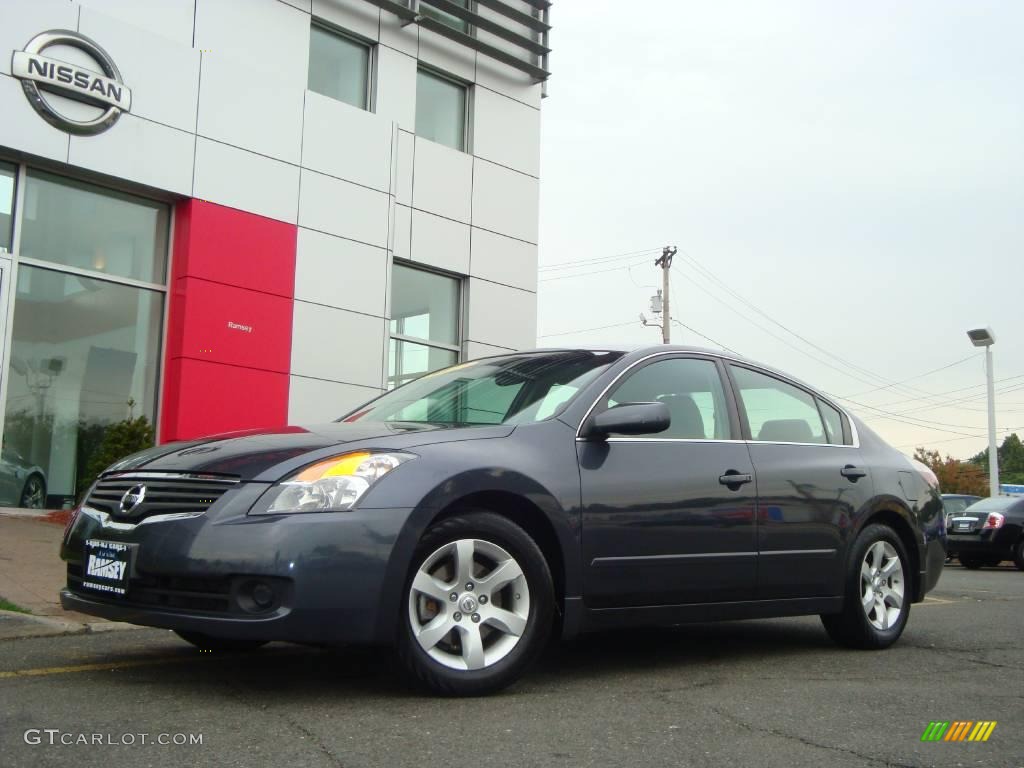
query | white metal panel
[259, 33]
[501, 316]
[315, 401]
[508, 81]
[440, 242]
[163, 73]
[401, 242]
[21, 20]
[392, 34]
[403, 170]
[442, 181]
[344, 209]
[336, 345]
[506, 131]
[250, 107]
[505, 201]
[250, 182]
[504, 260]
[447, 56]
[22, 128]
[340, 273]
[140, 151]
[396, 87]
[171, 19]
[356, 16]
[302, 5]
[347, 142]
[474, 349]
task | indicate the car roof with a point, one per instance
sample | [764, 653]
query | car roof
[637, 351]
[960, 496]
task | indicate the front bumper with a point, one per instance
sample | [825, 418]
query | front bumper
[328, 572]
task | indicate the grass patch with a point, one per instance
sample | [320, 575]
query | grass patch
[7, 605]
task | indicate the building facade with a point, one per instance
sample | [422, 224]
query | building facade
[232, 214]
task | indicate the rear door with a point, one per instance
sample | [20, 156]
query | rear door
[811, 480]
[668, 518]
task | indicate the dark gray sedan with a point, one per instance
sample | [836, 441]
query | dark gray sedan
[466, 516]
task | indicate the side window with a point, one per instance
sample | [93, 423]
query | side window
[692, 390]
[833, 423]
[776, 411]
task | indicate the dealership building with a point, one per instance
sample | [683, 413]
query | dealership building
[233, 214]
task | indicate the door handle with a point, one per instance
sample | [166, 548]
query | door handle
[734, 479]
[852, 473]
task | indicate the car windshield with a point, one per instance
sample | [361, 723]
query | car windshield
[511, 389]
[956, 506]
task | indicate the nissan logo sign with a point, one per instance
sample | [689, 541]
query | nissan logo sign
[100, 87]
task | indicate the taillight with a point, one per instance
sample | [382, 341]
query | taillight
[995, 520]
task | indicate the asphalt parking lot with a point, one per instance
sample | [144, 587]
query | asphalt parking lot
[757, 693]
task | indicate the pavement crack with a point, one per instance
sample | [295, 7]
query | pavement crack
[239, 695]
[807, 742]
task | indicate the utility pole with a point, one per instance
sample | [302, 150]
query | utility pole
[665, 262]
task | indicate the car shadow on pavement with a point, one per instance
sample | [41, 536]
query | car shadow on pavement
[302, 673]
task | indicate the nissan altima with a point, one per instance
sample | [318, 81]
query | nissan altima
[466, 516]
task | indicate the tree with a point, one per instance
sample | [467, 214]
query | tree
[120, 439]
[955, 476]
[1011, 460]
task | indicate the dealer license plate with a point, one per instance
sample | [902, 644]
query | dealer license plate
[107, 566]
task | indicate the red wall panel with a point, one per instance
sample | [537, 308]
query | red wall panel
[229, 322]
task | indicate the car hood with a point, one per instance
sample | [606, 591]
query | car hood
[248, 455]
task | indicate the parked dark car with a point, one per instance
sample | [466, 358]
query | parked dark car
[465, 516]
[988, 532]
[21, 483]
[955, 503]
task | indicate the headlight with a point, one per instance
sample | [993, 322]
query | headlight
[334, 485]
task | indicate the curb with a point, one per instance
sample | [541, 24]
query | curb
[54, 516]
[15, 625]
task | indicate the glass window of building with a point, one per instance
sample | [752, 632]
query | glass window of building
[74, 224]
[441, 109]
[339, 67]
[425, 314]
[85, 349]
[8, 173]
[427, 9]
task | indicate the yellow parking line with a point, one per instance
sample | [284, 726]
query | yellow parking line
[128, 663]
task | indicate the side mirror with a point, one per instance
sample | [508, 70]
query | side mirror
[630, 419]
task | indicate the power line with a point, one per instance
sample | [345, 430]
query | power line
[920, 375]
[591, 272]
[595, 260]
[586, 330]
[1004, 431]
[706, 338]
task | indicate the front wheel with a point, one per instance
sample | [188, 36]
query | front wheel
[971, 563]
[1018, 554]
[477, 607]
[876, 602]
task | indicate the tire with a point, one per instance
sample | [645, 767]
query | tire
[494, 630]
[33, 495]
[212, 643]
[971, 562]
[879, 569]
[1018, 554]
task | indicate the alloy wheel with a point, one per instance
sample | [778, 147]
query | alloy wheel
[882, 586]
[469, 603]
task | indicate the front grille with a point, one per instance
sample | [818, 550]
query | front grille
[162, 494]
[211, 595]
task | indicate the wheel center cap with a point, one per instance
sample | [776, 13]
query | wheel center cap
[468, 604]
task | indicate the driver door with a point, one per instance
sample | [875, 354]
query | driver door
[662, 524]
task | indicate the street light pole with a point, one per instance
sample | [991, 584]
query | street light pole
[993, 450]
[985, 337]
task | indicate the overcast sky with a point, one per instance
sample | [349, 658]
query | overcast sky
[853, 170]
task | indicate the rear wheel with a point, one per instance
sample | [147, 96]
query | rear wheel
[477, 606]
[33, 495]
[1018, 554]
[876, 602]
[212, 643]
[971, 562]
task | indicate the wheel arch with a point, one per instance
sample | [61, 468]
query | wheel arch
[892, 513]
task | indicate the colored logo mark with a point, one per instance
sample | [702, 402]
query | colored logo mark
[958, 730]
